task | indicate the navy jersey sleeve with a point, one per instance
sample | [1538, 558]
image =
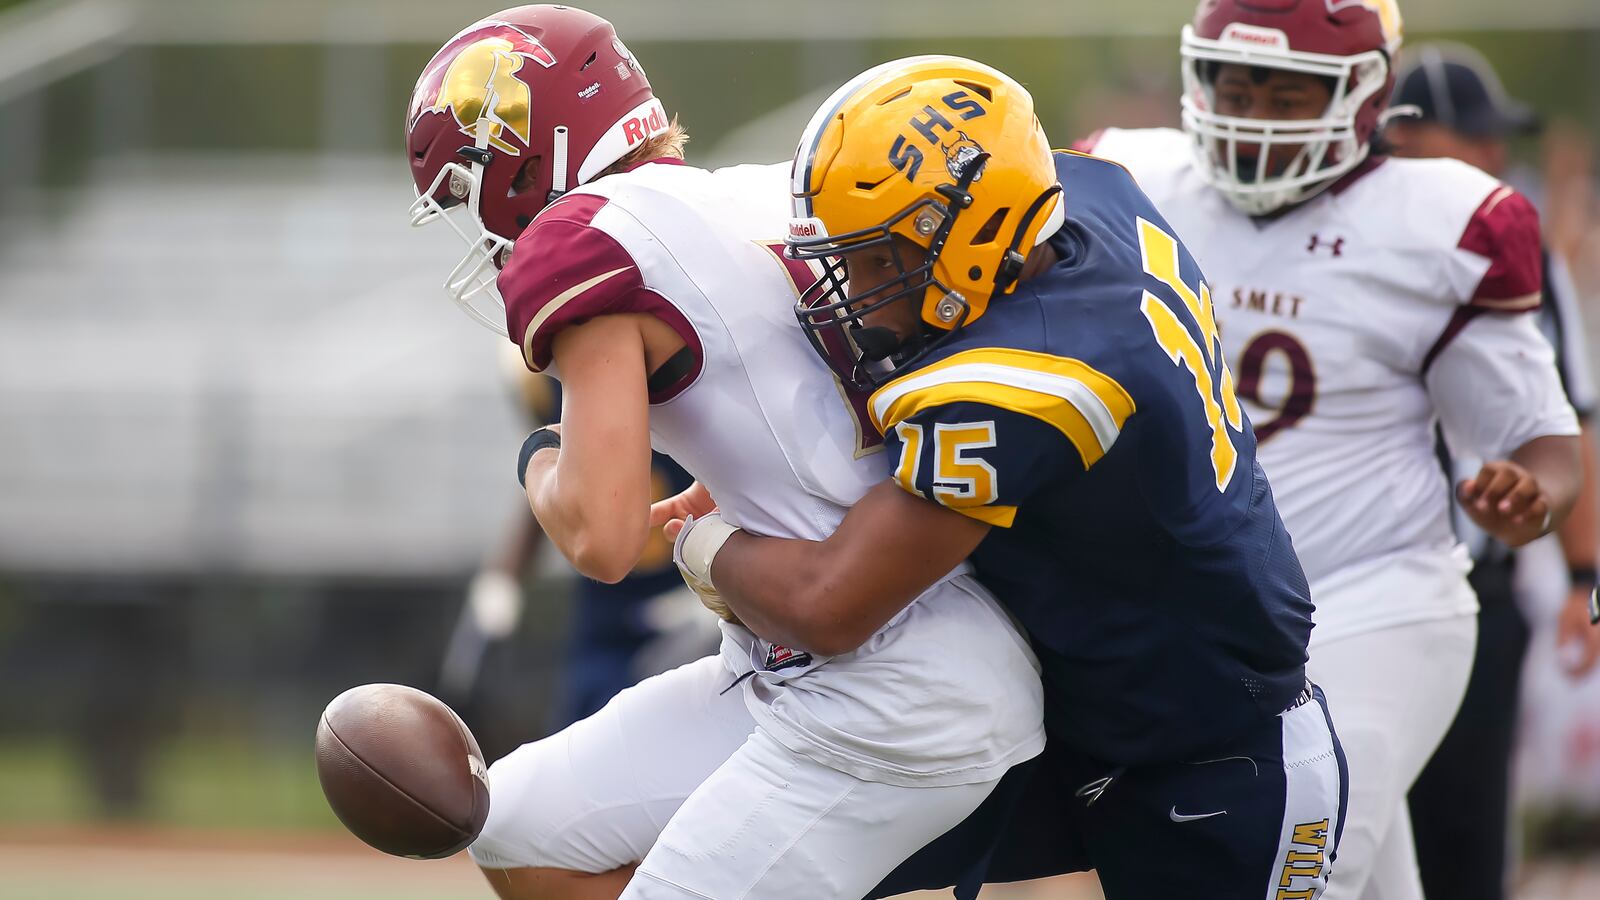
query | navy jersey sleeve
[983, 430]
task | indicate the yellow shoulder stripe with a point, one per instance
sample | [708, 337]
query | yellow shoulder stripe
[1086, 405]
[995, 514]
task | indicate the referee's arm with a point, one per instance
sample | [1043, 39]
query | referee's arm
[1578, 640]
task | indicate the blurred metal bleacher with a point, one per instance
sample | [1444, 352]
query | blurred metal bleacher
[242, 365]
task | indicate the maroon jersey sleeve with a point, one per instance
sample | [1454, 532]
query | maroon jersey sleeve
[1505, 231]
[565, 271]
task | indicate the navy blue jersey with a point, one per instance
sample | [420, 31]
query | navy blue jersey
[1090, 417]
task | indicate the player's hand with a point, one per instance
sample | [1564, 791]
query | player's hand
[669, 514]
[495, 599]
[1577, 640]
[693, 550]
[1505, 500]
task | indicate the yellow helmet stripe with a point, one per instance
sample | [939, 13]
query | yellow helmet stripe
[805, 156]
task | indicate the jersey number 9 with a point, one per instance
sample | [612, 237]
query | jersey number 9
[1298, 397]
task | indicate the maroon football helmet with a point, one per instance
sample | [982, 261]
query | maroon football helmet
[512, 112]
[1351, 43]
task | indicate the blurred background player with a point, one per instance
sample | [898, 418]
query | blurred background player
[617, 634]
[1460, 803]
[1362, 301]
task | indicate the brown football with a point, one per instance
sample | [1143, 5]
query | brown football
[401, 771]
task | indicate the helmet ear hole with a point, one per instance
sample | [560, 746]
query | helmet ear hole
[991, 228]
[526, 176]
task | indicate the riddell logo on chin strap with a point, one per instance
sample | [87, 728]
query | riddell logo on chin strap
[637, 129]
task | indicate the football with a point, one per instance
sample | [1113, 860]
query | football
[401, 771]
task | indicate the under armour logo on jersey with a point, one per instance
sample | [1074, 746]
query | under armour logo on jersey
[1336, 245]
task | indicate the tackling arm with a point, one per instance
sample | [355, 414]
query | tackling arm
[948, 490]
[829, 596]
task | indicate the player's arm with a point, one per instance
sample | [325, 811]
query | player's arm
[1578, 640]
[576, 303]
[1492, 378]
[494, 597]
[1527, 495]
[829, 596]
[1577, 637]
[960, 469]
[592, 494]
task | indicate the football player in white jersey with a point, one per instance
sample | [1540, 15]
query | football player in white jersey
[659, 295]
[1363, 300]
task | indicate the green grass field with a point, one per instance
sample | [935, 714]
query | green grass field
[192, 784]
[228, 819]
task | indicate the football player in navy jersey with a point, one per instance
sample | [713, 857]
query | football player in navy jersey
[1045, 367]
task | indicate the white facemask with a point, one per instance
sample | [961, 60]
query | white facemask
[1329, 145]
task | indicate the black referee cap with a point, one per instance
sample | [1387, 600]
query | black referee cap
[1456, 87]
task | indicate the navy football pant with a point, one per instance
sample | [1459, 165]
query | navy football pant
[1257, 819]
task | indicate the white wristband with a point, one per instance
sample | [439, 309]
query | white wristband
[696, 548]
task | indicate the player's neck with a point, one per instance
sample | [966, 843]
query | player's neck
[1043, 257]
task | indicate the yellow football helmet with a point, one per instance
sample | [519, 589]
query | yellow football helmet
[943, 151]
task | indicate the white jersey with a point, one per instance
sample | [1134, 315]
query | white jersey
[1355, 323]
[762, 422]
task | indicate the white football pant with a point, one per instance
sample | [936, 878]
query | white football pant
[674, 772]
[1392, 693]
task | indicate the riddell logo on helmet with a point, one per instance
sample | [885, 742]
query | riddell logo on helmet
[801, 229]
[641, 127]
[1255, 36]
